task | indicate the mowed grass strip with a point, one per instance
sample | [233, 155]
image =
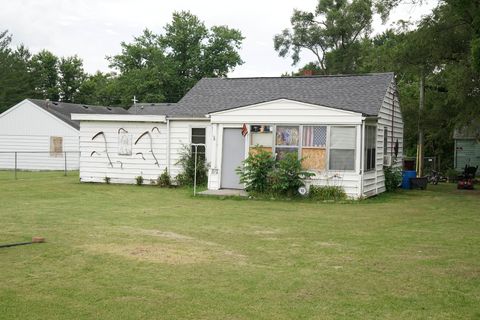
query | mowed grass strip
[129, 252]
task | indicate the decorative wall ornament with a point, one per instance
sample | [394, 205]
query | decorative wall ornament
[101, 133]
[147, 133]
[124, 144]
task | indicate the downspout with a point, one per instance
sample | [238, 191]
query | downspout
[168, 146]
[362, 155]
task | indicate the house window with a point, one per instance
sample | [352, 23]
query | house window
[287, 140]
[198, 137]
[314, 143]
[385, 141]
[261, 137]
[342, 148]
[56, 146]
[370, 150]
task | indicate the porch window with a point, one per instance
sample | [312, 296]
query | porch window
[370, 150]
[314, 143]
[198, 135]
[261, 137]
[287, 140]
[342, 148]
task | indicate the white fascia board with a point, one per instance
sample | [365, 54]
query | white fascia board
[283, 99]
[118, 117]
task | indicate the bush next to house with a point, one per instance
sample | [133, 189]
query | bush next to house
[187, 162]
[288, 175]
[327, 193]
[164, 180]
[393, 178]
[139, 180]
[256, 171]
[263, 175]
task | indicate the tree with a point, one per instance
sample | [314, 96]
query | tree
[15, 80]
[71, 76]
[332, 33]
[164, 67]
[99, 89]
[44, 71]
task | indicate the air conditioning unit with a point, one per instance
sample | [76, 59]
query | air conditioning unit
[387, 160]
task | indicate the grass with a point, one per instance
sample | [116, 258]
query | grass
[130, 252]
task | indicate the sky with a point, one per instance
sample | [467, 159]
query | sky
[94, 29]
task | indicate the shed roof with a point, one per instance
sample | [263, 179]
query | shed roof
[63, 110]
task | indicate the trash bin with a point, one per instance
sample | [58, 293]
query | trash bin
[406, 175]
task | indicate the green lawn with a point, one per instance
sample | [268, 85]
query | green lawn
[129, 252]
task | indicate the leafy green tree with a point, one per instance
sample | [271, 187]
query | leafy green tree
[44, 71]
[15, 79]
[164, 67]
[99, 89]
[71, 76]
[332, 33]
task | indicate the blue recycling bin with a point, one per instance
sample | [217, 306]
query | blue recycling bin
[406, 175]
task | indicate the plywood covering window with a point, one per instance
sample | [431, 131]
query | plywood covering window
[261, 138]
[314, 143]
[56, 146]
[342, 148]
[287, 140]
[370, 149]
[198, 136]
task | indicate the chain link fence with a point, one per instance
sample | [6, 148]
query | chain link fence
[19, 164]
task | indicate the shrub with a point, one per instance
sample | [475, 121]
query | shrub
[164, 179]
[139, 180]
[107, 180]
[256, 171]
[288, 175]
[393, 178]
[187, 162]
[323, 193]
[452, 175]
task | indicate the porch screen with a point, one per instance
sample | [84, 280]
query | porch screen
[342, 148]
[198, 135]
[370, 150]
[314, 140]
[261, 138]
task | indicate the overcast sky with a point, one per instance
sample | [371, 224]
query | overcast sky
[93, 29]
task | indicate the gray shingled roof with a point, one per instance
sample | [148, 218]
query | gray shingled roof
[152, 108]
[63, 110]
[358, 93]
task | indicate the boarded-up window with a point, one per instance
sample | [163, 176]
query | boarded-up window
[56, 146]
[314, 147]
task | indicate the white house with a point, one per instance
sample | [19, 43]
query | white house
[346, 128]
[42, 134]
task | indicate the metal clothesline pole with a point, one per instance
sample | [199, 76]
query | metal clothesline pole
[196, 145]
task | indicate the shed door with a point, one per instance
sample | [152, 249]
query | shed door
[232, 156]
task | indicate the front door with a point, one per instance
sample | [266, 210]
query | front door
[232, 156]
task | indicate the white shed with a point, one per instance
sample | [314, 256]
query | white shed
[345, 127]
[42, 134]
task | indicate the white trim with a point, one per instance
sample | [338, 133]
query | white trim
[287, 100]
[119, 117]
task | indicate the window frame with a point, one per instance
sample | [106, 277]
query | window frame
[355, 153]
[300, 143]
[373, 129]
[191, 128]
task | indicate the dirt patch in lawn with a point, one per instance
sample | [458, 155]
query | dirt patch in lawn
[168, 247]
